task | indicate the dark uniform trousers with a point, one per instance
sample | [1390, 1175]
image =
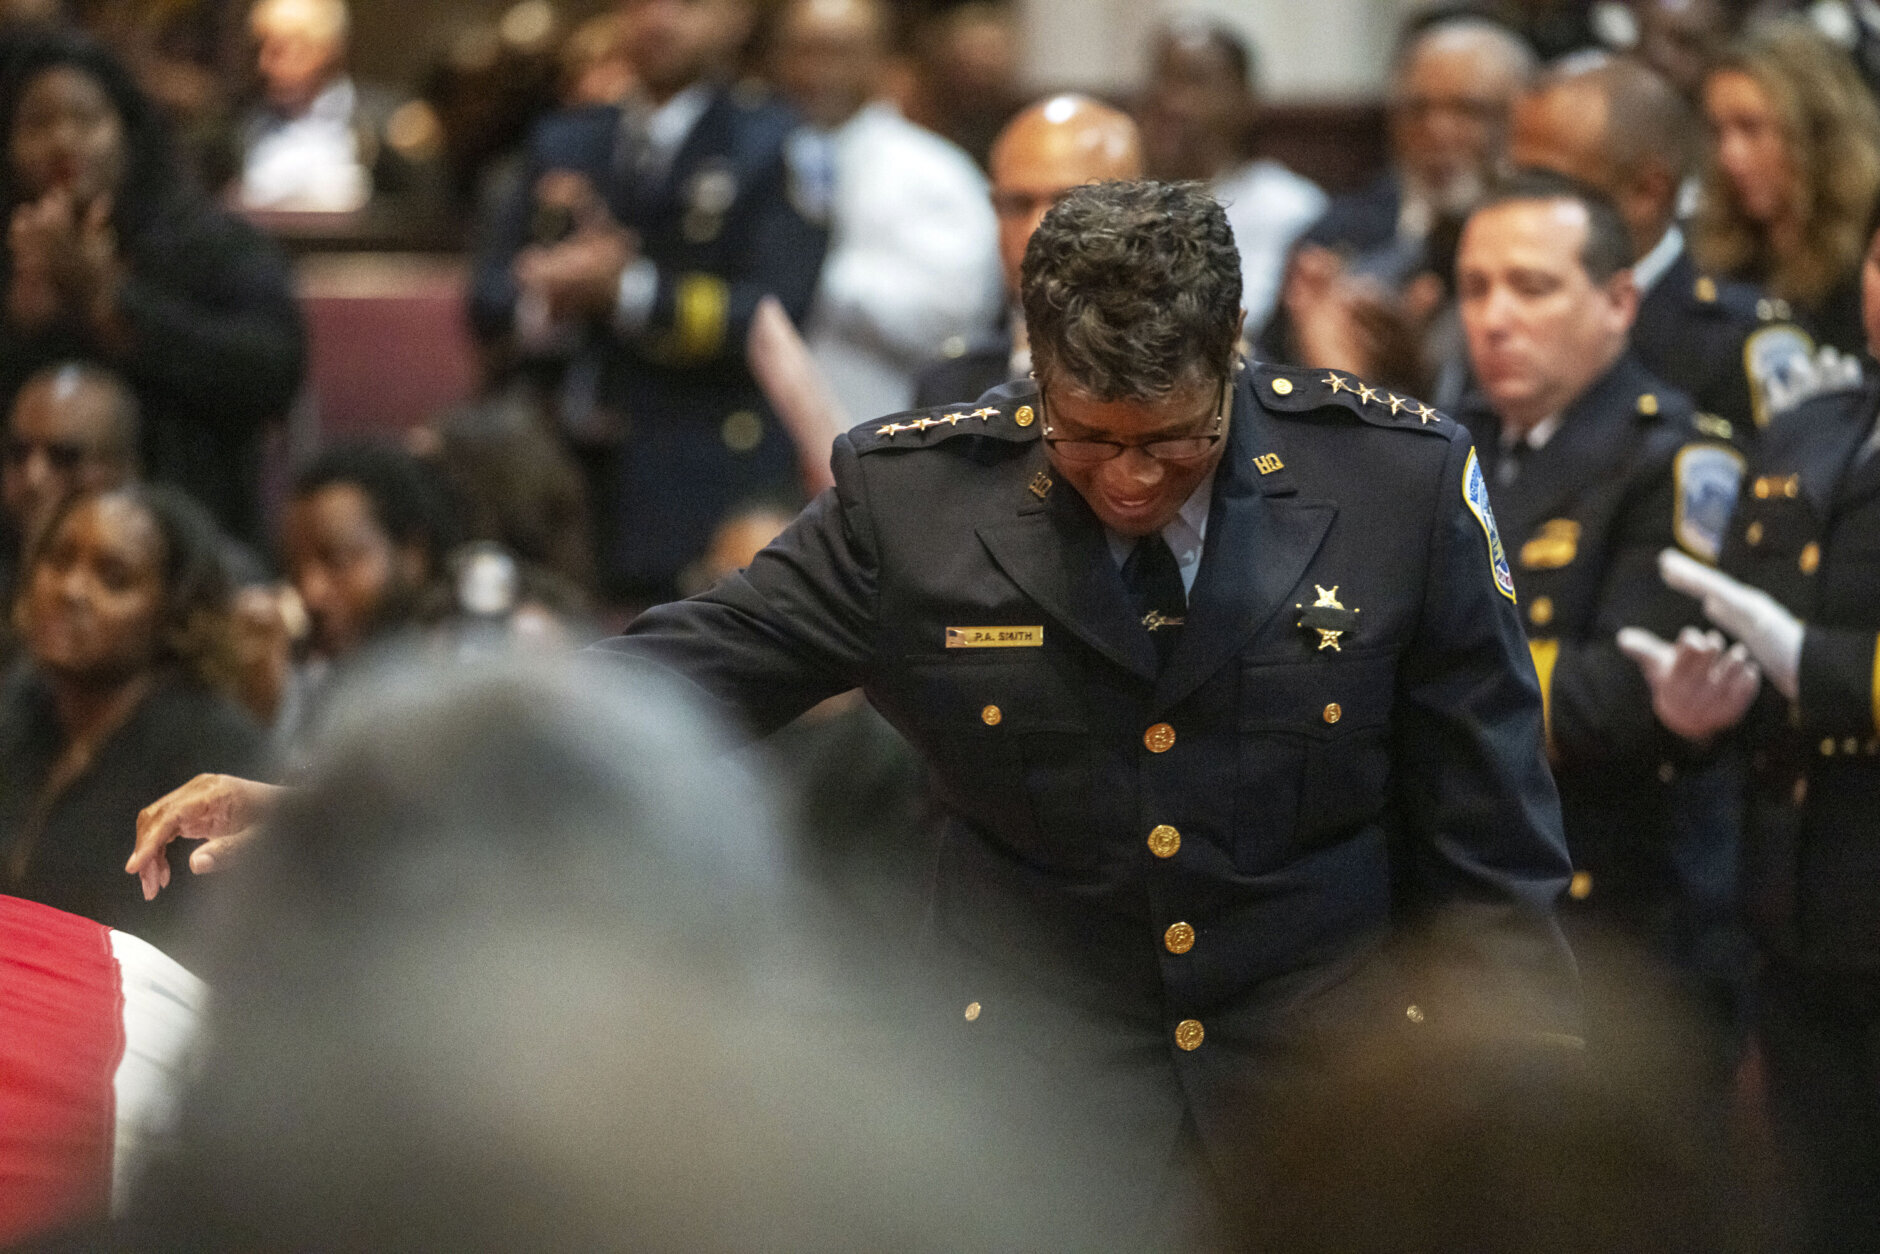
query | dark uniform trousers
[1627, 474]
[669, 423]
[1158, 885]
[1807, 531]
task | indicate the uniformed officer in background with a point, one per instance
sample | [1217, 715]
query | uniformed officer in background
[1219, 674]
[1618, 127]
[1595, 466]
[1799, 590]
[638, 243]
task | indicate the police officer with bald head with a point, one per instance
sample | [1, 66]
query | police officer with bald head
[1057, 144]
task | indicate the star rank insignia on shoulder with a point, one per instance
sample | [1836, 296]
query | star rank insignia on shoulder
[1284, 390]
[924, 427]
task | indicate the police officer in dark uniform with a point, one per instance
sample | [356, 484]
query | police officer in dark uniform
[1220, 677]
[640, 241]
[1595, 466]
[1800, 591]
[1618, 127]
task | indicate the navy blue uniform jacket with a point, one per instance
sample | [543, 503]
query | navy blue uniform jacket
[726, 226]
[1629, 473]
[1293, 804]
[1807, 531]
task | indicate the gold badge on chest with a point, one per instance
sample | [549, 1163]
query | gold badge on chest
[1329, 618]
[1555, 545]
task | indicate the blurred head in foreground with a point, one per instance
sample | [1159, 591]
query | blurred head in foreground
[519, 970]
[1467, 1130]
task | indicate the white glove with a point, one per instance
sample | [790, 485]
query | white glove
[1772, 634]
[1699, 687]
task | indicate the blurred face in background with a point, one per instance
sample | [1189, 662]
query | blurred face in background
[68, 136]
[352, 578]
[674, 43]
[1449, 115]
[1197, 111]
[93, 598]
[300, 45]
[1870, 294]
[1680, 38]
[61, 439]
[1750, 147]
[1540, 330]
[829, 57]
[1044, 152]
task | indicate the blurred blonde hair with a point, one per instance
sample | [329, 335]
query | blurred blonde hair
[1832, 129]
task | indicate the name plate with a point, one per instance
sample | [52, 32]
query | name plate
[995, 637]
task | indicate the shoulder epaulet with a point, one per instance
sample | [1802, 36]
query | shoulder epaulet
[1285, 390]
[1738, 301]
[1712, 427]
[1015, 423]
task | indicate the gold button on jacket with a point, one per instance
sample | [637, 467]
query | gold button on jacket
[1164, 841]
[1179, 939]
[1189, 1034]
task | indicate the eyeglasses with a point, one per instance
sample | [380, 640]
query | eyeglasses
[1185, 448]
[65, 455]
[1007, 204]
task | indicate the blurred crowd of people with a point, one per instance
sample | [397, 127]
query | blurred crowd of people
[1634, 248]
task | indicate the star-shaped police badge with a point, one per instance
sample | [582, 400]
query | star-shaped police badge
[1329, 618]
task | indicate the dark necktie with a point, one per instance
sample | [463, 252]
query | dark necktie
[1155, 589]
[1513, 458]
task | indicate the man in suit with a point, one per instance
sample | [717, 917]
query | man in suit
[1594, 466]
[320, 140]
[1219, 673]
[1618, 127]
[639, 244]
[1055, 145]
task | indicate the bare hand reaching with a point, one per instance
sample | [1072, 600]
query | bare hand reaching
[220, 810]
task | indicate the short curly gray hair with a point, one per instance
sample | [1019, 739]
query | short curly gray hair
[1132, 290]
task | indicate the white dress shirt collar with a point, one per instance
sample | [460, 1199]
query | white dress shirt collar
[1650, 268]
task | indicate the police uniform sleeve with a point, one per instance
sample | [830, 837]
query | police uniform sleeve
[1839, 693]
[792, 629]
[701, 317]
[1488, 857]
[1598, 705]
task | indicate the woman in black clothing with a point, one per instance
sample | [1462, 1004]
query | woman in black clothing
[123, 609]
[110, 255]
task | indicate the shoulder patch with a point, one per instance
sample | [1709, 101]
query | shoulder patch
[1777, 360]
[1797, 374]
[1475, 496]
[921, 428]
[1705, 482]
[1283, 390]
